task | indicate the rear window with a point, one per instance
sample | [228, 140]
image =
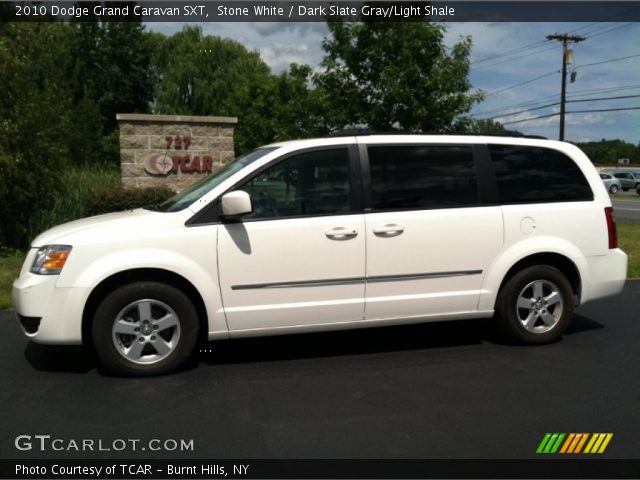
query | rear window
[536, 174]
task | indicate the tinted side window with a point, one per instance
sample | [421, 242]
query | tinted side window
[312, 183]
[422, 177]
[535, 174]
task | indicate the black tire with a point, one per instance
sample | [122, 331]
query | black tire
[511, 317]
[613, 189]
[127, 304]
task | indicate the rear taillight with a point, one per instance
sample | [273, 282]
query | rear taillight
[611, 227]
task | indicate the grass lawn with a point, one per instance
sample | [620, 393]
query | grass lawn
[625, 197]
[629, 241]
[9, 269]
[628, 238]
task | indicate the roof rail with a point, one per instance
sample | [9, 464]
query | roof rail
[353, 132]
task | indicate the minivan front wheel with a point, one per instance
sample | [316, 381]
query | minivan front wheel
[145, 328]
[535, 305]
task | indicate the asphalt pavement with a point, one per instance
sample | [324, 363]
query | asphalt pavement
[440, 390]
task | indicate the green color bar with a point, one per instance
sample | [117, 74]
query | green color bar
[543, 443]
[554, 449]
[550, 443]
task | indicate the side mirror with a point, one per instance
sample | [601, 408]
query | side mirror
[236, 203]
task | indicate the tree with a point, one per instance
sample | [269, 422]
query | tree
[299, 108]
[610, 151]
[208, 75]
[111, 73]
[35, 122]
[395, 76]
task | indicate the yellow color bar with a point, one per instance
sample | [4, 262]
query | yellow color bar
[599, 440]
[591, 442]
[607, 439]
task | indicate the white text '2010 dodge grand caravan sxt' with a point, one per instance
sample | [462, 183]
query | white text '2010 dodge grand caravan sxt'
[332, 233]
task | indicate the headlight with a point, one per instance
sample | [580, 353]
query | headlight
[50, 259]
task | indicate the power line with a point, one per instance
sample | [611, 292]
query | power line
[544, 43]
[521, 111]
[532, 118]
[603, 98]
[523, 83]
[553, 47]
[607, 61]
[510, 52]
[619, 97]
[606, 110]
[577, 93]
[572, 112]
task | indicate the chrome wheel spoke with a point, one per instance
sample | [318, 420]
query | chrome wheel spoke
[553, 298]
[123, 327]
[537, 289]
[168, 321]
[525, 303]
[548, 319]
[144, 310]
[161, 346]
[134, 352]
[530, 321]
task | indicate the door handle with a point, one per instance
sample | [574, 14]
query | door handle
[388, 229]
[341, 233]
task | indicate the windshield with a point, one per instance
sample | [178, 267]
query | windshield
[185, 198]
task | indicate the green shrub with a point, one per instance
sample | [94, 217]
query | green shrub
[118, 199]
[75, 185]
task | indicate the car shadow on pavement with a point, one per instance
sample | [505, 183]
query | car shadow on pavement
[60, 358]
[78, 359]
[581, 324]
[348, 342]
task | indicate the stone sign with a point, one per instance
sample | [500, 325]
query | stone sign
[172, 150]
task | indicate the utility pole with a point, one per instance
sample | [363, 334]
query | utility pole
[565, 38]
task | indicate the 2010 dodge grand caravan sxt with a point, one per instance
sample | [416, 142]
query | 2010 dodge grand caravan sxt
[332, 233]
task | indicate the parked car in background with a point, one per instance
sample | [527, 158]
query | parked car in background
[628, 180]
[612, 183]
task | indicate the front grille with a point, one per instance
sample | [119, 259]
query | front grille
[30, 324]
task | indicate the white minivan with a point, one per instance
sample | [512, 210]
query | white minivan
[332, 233]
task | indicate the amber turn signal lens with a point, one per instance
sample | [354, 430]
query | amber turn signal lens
[55, 260]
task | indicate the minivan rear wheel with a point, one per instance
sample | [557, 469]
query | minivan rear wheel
[613, 189]
[144, 328]
[535, 306]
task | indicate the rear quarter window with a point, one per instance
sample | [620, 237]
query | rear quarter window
[537, 174]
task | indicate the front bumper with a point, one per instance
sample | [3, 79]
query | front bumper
[46, 313]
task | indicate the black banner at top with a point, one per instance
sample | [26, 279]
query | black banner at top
[321, 11]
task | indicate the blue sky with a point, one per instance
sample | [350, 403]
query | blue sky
[503, 55]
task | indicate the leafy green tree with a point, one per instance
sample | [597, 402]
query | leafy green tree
[299, 109]
[111, 73]
[35, 122]
[207, 75]
[610, 151]
[395, 76]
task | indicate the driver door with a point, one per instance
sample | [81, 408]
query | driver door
[299, 258]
